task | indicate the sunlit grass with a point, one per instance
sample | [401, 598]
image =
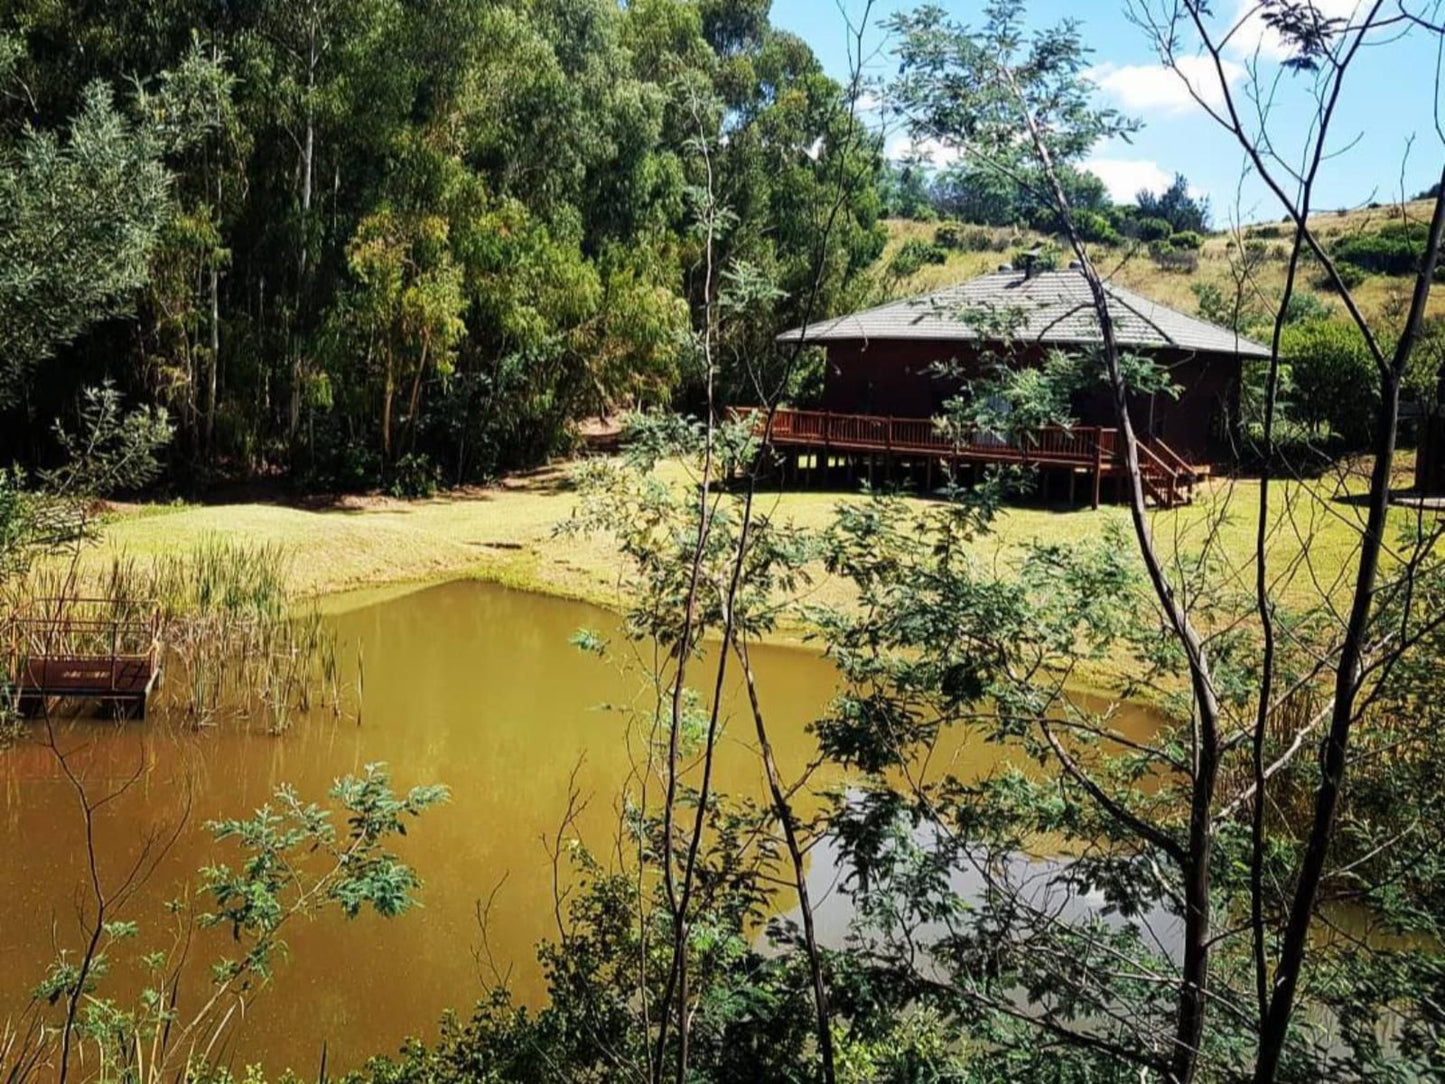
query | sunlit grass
[506, 534]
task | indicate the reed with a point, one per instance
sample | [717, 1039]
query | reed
[234, 644]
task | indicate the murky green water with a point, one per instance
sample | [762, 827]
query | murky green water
[467, 684]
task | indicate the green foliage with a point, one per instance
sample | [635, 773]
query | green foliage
[297, 863]
[80, 216]
[905, 191]
[955, 235]
[1397, 248]
[110, 451]
[1186, 239]
[414, 475]
[356, 230]
[1246, 313]
[912, 256]
[976, 192]
[1183, 212]
[1152, 229]
[1332, 386]
[1096, 227]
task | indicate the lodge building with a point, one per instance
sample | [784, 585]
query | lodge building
[885, 379]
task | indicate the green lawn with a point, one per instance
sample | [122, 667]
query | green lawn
[505, 533]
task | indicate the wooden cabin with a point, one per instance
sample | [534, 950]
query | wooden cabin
[884, 364]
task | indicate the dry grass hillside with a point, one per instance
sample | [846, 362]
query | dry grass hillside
[1380, 297]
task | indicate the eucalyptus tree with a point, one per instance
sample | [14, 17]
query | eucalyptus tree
[81, 211]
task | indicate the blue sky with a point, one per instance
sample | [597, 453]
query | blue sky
[1389, 97]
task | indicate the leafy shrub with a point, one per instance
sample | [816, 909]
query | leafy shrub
[1265, 233]
[1176, 206]
[1349, 274]
[1303, 308]
[957, 236]
[1332, 379]
[1394, 249]
[414, 475]
[1096, 227]
[1152, 229]
[914, 255]
[1248, 315]
[1186, 240]
[1167, 258]
[949, 235]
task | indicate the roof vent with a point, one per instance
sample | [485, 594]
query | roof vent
[1075, 265]
[1005, 267]
[1030, 261]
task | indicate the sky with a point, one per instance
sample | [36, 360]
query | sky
[1390, 98]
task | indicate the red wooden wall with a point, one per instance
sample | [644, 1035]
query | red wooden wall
[894, 377]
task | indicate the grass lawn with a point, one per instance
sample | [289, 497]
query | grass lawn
[505, 533]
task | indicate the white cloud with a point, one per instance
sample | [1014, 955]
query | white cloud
[1251, 36]
[1125, 178]
[933, 151]
[1154, 87]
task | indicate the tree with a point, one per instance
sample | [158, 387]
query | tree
[1331, 377]
[407, 302]
[905, 190]
[79, 220]
[1176, 206]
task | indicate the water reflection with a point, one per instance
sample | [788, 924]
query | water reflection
[468, 684]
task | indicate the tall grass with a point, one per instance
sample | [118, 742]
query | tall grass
[233, 642]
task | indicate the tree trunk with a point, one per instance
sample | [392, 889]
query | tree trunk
[308, 160]
[414, 404]
[387, 396]
[1347, 672]
[211, 376]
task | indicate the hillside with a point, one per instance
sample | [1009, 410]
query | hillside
[1380, 296]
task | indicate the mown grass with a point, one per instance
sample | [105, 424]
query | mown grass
[506, 534]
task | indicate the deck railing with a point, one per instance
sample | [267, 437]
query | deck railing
[83, 646]
[1094, 448]
[1077, 444]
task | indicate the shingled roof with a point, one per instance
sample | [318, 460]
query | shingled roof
[1052, 307]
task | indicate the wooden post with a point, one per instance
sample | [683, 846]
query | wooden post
[1098, 462]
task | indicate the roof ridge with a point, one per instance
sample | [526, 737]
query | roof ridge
[1055, 307]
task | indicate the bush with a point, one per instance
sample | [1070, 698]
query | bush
[1170, 259]
[913, 255]
[1305, 308]
[414, 475]
[1395, 249]
[1264, 233]
[1096, 227]
[1349, 274]
[1152, 229]
[1187, 240]
[1333, 379]
[949, 235]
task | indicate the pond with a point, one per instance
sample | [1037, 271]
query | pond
[468, 684]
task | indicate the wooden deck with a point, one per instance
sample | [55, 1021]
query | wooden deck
[94, 649]
[1093, 452]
